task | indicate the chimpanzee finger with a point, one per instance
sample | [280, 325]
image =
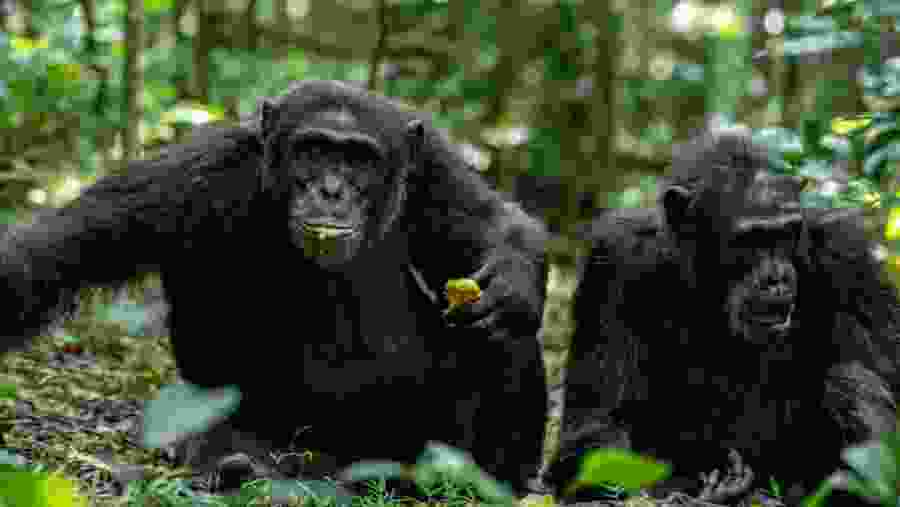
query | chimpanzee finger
[734, 482]
[484, 274]
[490, 324]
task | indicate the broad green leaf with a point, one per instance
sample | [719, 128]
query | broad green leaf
[181, 409]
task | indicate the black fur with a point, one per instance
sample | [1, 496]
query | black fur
[667, 360]
[356, 349]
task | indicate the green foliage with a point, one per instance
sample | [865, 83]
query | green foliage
[440, 462]
[624, 468]
[49, 74]
[441, 471]
[634, 196]
[816, 43]
[133, 316]
[7, 391]
[182, 409]
[877, 469]
[727, 72]
[319, 492]
[157, 6]
[36, 489]
[421, 8]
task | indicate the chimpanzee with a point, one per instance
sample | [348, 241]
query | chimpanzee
[729, 318]
[303, 253]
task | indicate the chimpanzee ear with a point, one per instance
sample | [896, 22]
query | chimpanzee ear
[415, 139]
[676, 200]
[266, 113]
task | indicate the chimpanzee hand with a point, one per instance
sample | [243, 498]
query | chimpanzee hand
[510, 297]
[735, 481]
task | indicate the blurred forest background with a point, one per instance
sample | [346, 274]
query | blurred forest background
[567, 106]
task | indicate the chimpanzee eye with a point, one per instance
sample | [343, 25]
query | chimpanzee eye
[309, 150]
[302, 180]
[746, 241]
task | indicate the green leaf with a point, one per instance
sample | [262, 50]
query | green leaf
[815, 44]
[817, 499]
[688, 72]
[875, 162]
[441, 462]
[8, 459]
[21, 487]
[131, 315]
[157, 6]
[8, 391]
[37, 489]
[806, 24]
[785, 147]
[818, 169]
[366, 470]
[838, 145]
[183, 408]
[315, 489]
[627, 469]
[883, 7]
[876, 464]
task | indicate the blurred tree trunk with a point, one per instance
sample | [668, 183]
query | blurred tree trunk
[204, 42]
[582, 108]
[380, 44]
[181, 80]
[512, 55]
[600, 176]
[31, 30]
[7, 8]
[134, 46]
[251, 41]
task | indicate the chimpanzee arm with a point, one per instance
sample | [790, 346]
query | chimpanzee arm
[844, 258]
[859, 402]
[459, 226]
[120, 227]
[844, 255]
[624, 275]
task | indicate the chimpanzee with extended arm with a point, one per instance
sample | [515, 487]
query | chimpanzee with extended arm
[729, 318]
[303, 254]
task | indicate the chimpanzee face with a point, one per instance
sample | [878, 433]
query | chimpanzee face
[341, 186]
[758, 256]
[331, 186]
[740, 239]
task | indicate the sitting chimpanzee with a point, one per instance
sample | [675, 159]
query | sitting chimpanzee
[304, 254]
[729, 318]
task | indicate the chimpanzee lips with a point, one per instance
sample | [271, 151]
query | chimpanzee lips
[328, 242]
[770, 311]
[327, 231]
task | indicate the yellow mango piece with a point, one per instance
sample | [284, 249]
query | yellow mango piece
[462, 290]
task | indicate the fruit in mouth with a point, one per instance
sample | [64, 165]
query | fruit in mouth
[327, 231]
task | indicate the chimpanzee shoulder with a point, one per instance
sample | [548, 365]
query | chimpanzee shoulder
[629, 254]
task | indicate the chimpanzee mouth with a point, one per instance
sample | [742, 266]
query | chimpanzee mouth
[324, 231]
[775, 315]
